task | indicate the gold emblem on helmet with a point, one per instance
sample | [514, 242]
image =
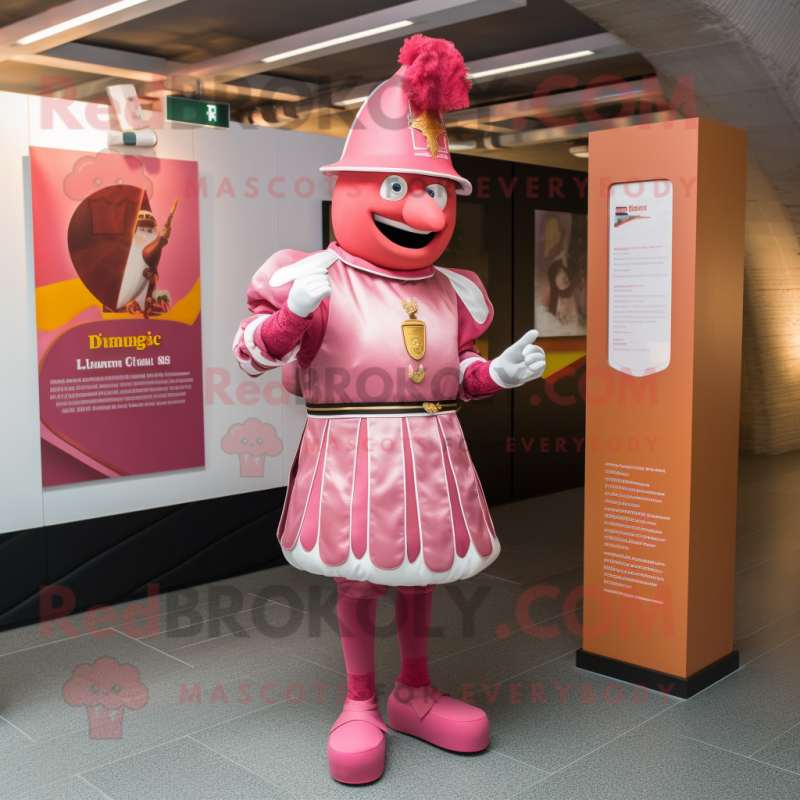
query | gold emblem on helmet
[430, 127]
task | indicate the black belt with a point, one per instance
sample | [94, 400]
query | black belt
[380, 409]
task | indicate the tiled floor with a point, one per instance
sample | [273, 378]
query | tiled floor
[242, 680]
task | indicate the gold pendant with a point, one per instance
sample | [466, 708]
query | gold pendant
[417, 376]
[432, 408]
[413, 331]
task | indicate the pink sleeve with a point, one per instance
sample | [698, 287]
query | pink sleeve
[475, 381]
[282, 332]
[273, 335]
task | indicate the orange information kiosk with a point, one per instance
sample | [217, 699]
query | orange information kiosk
[665, 284]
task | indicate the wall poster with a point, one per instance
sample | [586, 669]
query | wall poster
[117, 270]
[560, 273]
[640, 276]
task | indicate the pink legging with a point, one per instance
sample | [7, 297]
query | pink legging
[356, 609]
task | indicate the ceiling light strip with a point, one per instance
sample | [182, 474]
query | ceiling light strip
[81, 20]
[350, 37]
[530, 64]
[356, 101]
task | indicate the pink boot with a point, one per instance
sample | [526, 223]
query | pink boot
[438, 718]
[356, 744]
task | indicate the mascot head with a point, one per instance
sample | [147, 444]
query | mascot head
[394, 204]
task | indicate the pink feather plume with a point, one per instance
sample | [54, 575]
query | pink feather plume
[435, 78]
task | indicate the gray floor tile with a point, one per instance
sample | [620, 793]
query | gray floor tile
[182, 770]
[519, 525]
[754, 468]
[746, 710]
[273, 626]
[172, 610]
[551, 716]
[172, 711]
[539, 537]
[75, 788]
[564, 580]
[646, 764]
[744, 490]
[766, 593]
[254, 582]
[501, 659]
[763, 546]
[11, 738]
[767, 638]
[789, 483]
[29, 636]
[182, 635]
[184, 608]
[287, 745]
[289, 677]
[763, 509]
[784, 752]
[515, 571]
[33, 680]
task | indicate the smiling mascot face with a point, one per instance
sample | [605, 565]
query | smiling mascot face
[399, 221]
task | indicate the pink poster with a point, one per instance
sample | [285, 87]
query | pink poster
[117, 262]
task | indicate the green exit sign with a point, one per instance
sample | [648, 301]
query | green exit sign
[198, 112]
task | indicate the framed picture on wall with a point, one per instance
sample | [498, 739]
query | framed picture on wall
[560, 273]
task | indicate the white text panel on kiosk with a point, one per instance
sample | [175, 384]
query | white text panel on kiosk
[640, 276]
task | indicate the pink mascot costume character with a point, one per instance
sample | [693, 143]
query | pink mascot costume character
[383, 491]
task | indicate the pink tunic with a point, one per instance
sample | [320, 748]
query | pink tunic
[394, 500]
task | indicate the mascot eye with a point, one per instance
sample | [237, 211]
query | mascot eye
[244, 441]
[394, 188]
[116, 688]
[97, 182]
[438, 193]
[259, 441]
[94, 689]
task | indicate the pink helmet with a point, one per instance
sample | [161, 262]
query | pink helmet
[399, 127]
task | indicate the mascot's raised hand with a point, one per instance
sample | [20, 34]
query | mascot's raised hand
[522, 362]
[311, 284]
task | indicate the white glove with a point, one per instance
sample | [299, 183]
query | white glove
[311, 282]
[518, 364]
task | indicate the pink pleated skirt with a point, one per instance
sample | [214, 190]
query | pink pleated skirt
[391, 500]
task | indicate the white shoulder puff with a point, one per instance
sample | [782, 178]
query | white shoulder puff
[471, 296]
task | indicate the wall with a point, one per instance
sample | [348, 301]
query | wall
[242, 224]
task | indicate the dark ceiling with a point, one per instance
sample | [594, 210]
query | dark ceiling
[505, 87]
[539, 23]
[201, 29]
[197, 30]
[13, 10]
